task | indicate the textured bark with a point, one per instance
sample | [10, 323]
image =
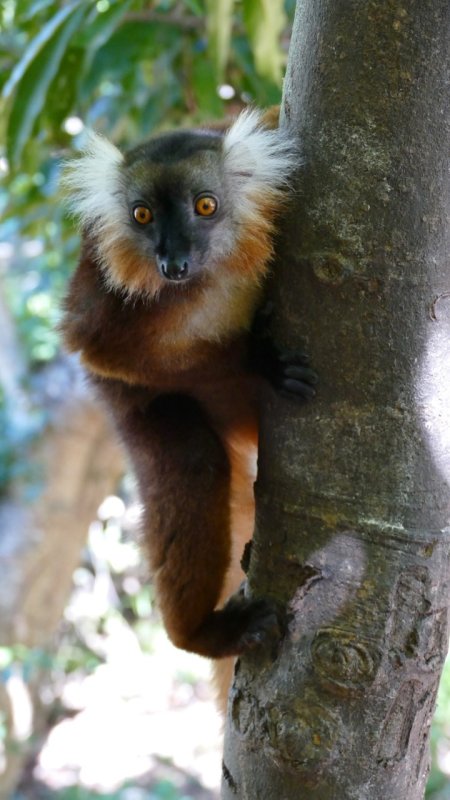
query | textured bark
[43, 526]
[352, 532]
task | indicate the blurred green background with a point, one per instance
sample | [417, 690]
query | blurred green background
[126, 68]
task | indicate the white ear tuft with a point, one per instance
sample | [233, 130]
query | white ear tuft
[267, 157]
[92, 182]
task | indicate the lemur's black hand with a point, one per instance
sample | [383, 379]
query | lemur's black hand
[289, 371]
[293, 375]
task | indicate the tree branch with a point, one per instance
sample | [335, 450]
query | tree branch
[180, 20]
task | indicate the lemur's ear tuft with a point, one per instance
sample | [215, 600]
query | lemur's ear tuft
[92, 180]
[266, 156]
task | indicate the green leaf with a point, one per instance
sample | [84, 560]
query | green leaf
[35, 80]
[131, 43]
[219, 26]
[35, 46]
[31, 11]
[204, 85]
[243, 74]
[195, 7]
[265, 21]
[63, 91]
[104, 25]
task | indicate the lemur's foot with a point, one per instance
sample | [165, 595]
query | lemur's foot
[241, 625]
[255, 621]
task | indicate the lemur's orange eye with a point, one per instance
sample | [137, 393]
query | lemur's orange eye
[142, 214]
[206, 206]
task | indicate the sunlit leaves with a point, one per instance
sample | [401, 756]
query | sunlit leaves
[265, 21]
[68, 56]
[36, 46]
[220, 22]
[33, 76]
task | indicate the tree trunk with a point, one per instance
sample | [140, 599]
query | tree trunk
[352, 491]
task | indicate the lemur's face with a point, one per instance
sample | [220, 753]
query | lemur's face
[186, 208]
[178, 211]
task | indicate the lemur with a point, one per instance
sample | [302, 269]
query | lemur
[177, 237]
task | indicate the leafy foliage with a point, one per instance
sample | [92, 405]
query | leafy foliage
[126, 63]
[265, 22]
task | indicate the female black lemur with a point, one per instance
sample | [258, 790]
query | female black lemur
[177, 239]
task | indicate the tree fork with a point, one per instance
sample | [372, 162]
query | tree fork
[352, 533]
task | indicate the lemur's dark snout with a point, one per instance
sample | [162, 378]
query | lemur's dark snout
[173, 269]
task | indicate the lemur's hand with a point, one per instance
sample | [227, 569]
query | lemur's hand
[292, 375]
[287, 371]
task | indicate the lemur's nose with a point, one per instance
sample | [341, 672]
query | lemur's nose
[173, 269]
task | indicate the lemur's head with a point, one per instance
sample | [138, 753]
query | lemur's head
[183, 206]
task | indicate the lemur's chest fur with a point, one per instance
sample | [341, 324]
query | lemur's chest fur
[217, 313]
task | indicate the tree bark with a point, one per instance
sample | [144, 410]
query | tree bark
[352, 533]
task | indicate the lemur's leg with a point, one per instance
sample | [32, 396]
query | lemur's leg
[184, 479]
